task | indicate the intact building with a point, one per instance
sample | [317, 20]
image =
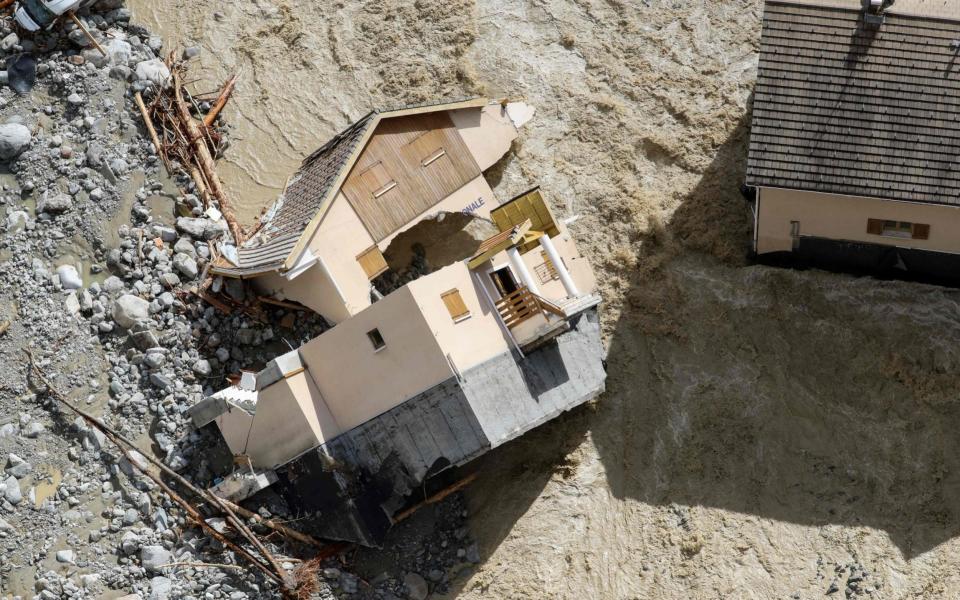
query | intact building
[855, 136]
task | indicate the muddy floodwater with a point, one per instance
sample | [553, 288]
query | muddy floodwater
[286, 102]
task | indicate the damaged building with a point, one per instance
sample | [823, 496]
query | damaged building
[460, 322]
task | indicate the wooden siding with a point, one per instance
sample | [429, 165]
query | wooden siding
[405, 151]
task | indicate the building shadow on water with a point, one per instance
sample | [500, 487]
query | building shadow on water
[804, 397]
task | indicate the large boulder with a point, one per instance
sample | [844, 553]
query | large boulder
[69, 278]
[14, 139]
[129, 309]
[154, 557]
[185, 264]
[54, 203]
[119, 51]
[153, 71]
[199, 229]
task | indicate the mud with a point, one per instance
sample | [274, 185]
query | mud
[764, 430]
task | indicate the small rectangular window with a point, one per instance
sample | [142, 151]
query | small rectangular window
[546, 271]
[433, 157]
[900, 229]
[455, 305]
[376, 339]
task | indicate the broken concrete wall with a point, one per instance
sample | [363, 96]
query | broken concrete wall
[488, 133]
[356, 482]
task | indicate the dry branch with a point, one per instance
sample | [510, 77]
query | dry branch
[86, 32]
[269, 566]
[221, 101]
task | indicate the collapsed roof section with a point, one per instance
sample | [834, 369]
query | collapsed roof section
[287, 227]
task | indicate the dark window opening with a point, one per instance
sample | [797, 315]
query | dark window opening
[376, 339]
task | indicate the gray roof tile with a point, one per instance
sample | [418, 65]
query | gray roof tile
[845, 109]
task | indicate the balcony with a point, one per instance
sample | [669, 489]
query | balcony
[534, 320]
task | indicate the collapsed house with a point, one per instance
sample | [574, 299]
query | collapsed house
[460, 322]
[854, 135]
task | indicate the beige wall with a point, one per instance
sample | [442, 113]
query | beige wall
[358, 383]
[845, 218]
[468, 342]
[312, 288]
[577, 264]
[487, 132]
[339, 239]
[291, 418]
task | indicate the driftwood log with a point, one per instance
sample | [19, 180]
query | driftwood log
[266, 562]
[187, 144]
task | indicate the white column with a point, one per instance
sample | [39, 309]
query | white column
[516, 261]
[547, 244]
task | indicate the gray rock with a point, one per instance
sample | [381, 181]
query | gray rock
[54, 203]
[18, 467]
[14, 139]
[65, 556]
[416, 586]
[202, 368]
[12, 492]
[186, 266]
[69, 278]
[129, 543]
[33, 430]
[185, 246]
[72, 304]
[129, 309]
[152, 557]
[167, 234]
[161, 588]
[153, 71]
[112, 284]
[119, 51]
[75, 99]
[198, 228]
[9, 42]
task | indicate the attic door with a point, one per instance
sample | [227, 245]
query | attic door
[375, 195]
[426, 160]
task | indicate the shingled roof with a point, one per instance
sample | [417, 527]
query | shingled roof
[844, 108]
[311, 189]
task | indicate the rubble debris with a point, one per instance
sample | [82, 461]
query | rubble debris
[186, 144]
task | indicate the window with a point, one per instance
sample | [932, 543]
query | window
[898, 229]
[546, 271]
[455, 305]
[433, 157]
[376, 339]
[372, 262]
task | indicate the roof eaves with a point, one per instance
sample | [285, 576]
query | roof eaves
[371, 120]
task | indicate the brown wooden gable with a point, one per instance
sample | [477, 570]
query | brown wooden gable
[410, 165]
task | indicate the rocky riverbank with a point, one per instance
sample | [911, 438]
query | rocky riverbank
[99, 254]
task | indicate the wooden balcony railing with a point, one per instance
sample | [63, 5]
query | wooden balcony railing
[522, 305]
